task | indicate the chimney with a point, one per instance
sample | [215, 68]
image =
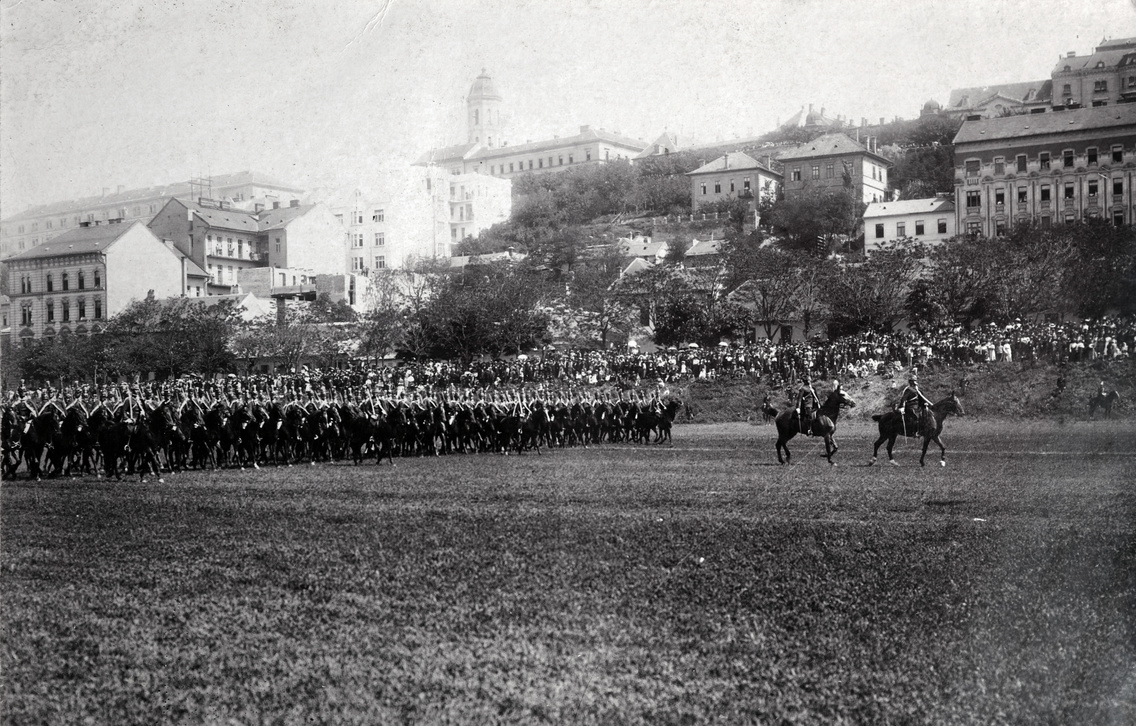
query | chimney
[863, 121]
[1072, 54]
[822, 110]
[726, 159]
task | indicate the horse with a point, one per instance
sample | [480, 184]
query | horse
[824, 425]
[929, 425]
[10, 439]
[768, 413]
[1104, 401]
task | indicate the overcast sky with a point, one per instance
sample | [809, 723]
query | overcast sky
[330, 93]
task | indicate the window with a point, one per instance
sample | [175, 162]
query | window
[357, 240]
[1117, 154]
[1092, 187]
[1067, 158]
[82, 280]
[1118, 218]
[540, 163]
[64, 279]
[1070, 218]
[50, 283]
[587, 156]
[570, 158]
[972, 167]
[1043, 160]
[1100, 86]
[1000, 228]
[1021, 195]
[796, 173]
[1046, 221]
[717, 187]
[66, 305]
[49, 307]
[731, 186]
[1045, 192]
[1118, 187]
[1091, 156]
[1021, 163]
[358, 218]
[918, 227]
[999, 165]
[49, 223]
[745, 184]
[380, 262]
[816, 171]
[561, 160]
[942, 226]
[829, 170]
[1070, 190]
[530, 164]
[82, 308]
[973, 229]
[703, 189]
[550, 160]
[973, 199]
[278, 245]
[356, 264]
[879, 231]
[380, 239]
[26, 314]
[999, 196]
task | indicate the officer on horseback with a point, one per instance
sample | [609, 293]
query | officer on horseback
[807, 405]
[912, 394]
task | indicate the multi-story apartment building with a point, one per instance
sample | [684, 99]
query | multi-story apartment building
[925, 220]
[1104, 78]
[422, 213]
[81, 278]
[487, 152]
[1046, 168]
[242, 190]
[223, 240]
[834, 162]
[733, 176]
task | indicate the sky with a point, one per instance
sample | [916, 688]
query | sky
[334, 94]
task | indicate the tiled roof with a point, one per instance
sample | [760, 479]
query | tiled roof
[235, 219]
[736, 159]
[834, 144]
[277, 218]
[584, 137]
[445, 154]
[704, 247]
[1108, 54]
[966, 98]
[1041, 124]
[78, 241]
[153, 193]
[909, 206]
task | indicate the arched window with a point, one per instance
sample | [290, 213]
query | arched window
[82, 280]
[50, 283]
[64, 279]
[98, 279]
[82, 308]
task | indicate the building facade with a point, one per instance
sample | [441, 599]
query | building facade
[733, 176]
[75, 282]
[487, 151]
[925, 220]
[835, 162]
[242, 190]
[223, 240]
[1045, 168]
[1104, 78]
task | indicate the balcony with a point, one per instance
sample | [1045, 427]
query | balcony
[1024, 206]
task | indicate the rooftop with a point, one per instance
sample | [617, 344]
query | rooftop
[909, 206]
[834, 144]
[78, 241]
[1042, 124]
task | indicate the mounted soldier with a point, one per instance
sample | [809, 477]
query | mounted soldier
[807, 405]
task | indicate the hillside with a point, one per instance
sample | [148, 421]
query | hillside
[997, 390]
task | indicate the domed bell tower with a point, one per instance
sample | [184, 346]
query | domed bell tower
[483, 112]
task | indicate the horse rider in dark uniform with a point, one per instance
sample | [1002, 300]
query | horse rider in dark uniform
[912, 394]
[807, 405]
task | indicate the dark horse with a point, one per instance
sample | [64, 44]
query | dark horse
[928, 424]
[1105, 402]
[825, 425]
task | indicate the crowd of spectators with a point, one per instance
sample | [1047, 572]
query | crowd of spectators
[777, 363]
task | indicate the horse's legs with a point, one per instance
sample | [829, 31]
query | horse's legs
[876, 448]
[829, 448]
[891, 445]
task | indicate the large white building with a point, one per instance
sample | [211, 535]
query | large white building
[420, 213]
[487, 151]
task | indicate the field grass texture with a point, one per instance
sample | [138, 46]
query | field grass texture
[696, 583]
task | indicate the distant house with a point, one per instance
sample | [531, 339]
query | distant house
[76, 281]
[703, 253]
[925, 220]
[732, 176]
[835, 162]
[644, 248]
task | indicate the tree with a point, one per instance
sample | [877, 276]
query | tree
[871, 296]
[768, 287]
[924, 172]
[814, 220]
[173, 336]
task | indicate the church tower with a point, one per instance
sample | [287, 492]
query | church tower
[483, 112]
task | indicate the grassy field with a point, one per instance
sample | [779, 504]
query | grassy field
[694, 584]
